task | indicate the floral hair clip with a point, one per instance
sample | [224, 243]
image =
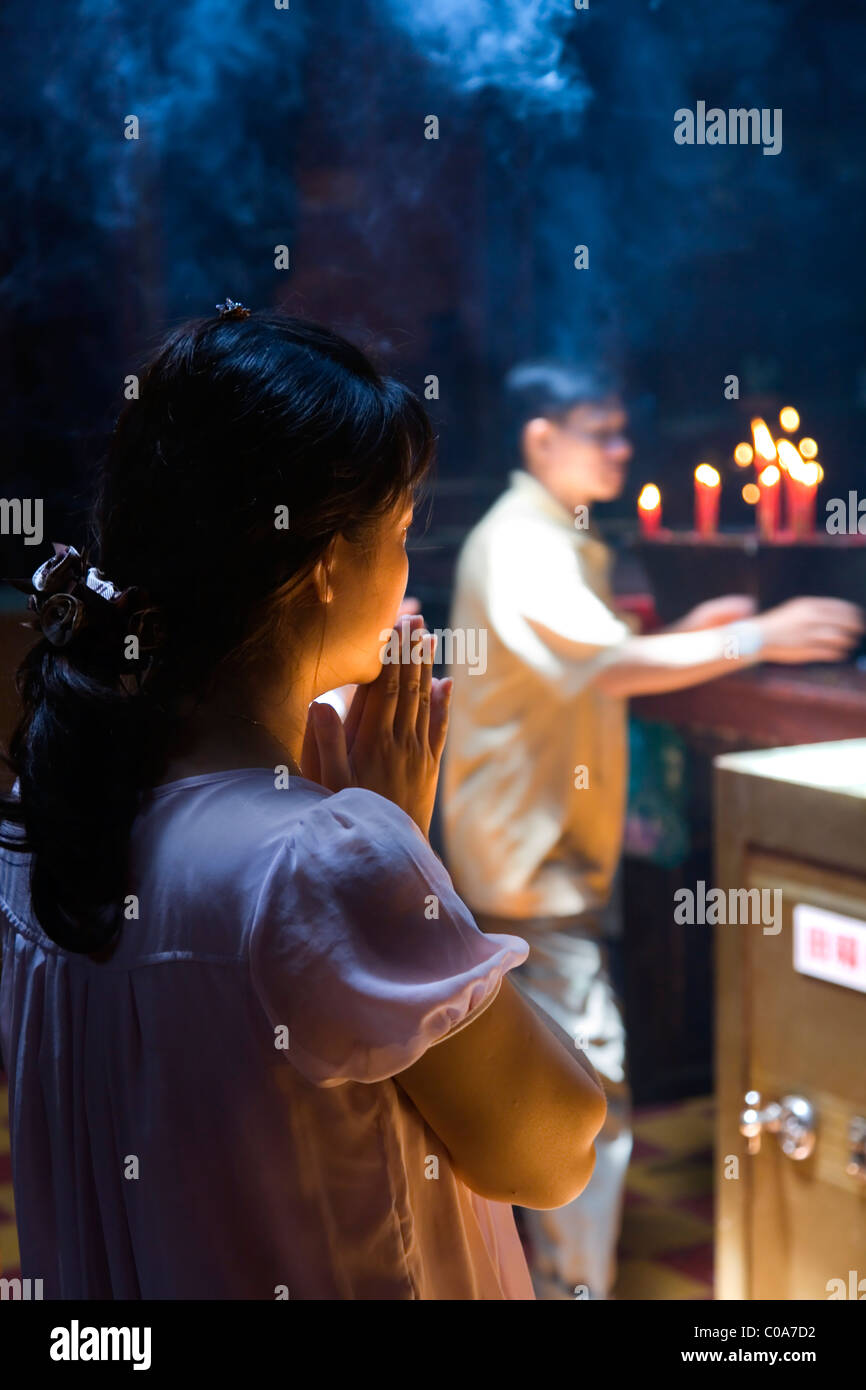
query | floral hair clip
[233, 310]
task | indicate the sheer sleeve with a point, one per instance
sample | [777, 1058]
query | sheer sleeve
[361, 948]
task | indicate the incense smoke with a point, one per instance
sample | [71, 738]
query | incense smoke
[305, 127]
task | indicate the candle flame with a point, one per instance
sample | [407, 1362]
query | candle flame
[743, 455]
[650, 498]
[770, 476]
[764, 445]
[788, 418]
[809, 474]
[751, 494]
[808, 448]
[706, 474]
[789, 459]
[820, 471]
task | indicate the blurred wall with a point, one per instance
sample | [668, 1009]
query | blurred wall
[306, 127]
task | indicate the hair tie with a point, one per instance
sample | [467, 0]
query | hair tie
[65, 594]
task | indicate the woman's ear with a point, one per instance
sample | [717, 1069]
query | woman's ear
[322, 576]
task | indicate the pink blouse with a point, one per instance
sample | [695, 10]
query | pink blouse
[213, 1112]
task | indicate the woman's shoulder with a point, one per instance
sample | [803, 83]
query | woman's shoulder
[216, 857]
[248, 800]
[359, 843]
[366, 814]
[235, 828]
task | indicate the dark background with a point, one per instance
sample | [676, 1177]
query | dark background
[305, 127]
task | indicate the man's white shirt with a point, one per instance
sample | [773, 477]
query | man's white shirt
[534, 779]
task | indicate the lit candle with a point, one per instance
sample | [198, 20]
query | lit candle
[808, 448]
[789, 462]
[764, 447]
[805, 477]
[788, 418]
[707, 490]
[769, 502]
[649, 509]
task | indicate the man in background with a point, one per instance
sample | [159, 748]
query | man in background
[534, 787]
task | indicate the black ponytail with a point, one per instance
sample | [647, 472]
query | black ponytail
[82, 752]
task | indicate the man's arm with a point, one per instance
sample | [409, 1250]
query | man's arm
[797, 632]
[715, 612]
[545, 610]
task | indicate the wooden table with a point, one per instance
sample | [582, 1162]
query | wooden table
[768, 706]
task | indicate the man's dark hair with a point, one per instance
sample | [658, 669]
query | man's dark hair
[551, 388]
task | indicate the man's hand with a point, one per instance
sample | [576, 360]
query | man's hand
[800, 631]
[810, 629]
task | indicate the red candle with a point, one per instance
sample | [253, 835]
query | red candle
[788, 462]
[649, 510]
[769, 501]
[707, 491]
[804, 480]
[765, 449]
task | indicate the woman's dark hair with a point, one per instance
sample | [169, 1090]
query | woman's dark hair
[237, 420]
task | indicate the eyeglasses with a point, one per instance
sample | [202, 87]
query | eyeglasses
[600, 436]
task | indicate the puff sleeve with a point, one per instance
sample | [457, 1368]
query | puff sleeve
[360, 946]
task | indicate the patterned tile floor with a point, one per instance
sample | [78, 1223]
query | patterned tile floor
[666, 1249]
